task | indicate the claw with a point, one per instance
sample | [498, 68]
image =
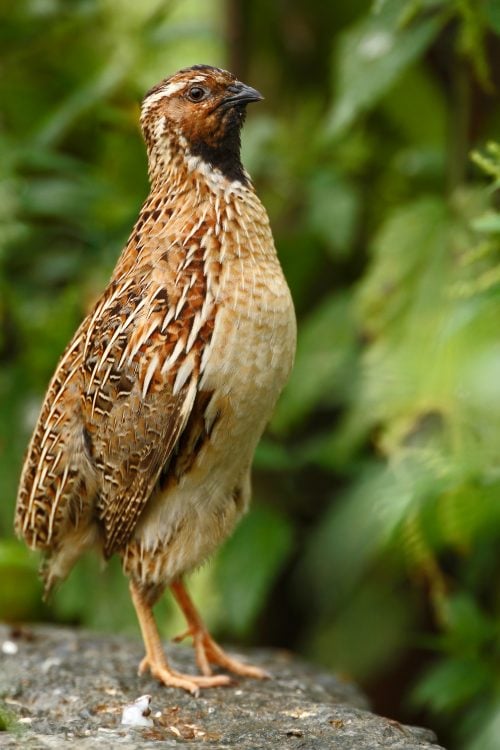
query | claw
[192, 683]
[207, 651]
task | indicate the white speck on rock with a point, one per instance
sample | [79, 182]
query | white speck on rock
[136, 714]
[9, 648]
[299, 713]
[48, 664]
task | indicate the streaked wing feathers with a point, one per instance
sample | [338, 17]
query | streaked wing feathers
[132, 409]
[127, 473]
[56, 483]
[122, 393]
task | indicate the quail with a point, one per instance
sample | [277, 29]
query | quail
[145, 440]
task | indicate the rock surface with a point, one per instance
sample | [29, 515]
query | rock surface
[62, 688]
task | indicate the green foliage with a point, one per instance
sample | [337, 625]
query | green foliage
[248, 564]
[374, 534]
[323, 365]
[20, 590]
[7, 719]
[372, 55]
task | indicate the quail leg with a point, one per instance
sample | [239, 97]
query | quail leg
[207, 651]
[155, 659]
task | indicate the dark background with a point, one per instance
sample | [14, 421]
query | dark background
[372, 544]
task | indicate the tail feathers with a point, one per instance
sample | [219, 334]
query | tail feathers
[58, 563]
[49, 578]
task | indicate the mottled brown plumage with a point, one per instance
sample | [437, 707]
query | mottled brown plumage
[145, 440]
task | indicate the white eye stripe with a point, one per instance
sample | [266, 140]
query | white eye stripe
[168, 90]
[173, 88]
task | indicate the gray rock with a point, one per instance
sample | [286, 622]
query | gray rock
[67, 688]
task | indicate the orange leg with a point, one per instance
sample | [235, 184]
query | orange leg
[207, 651]
[155, 659]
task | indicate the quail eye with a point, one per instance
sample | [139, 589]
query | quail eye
[197, 93]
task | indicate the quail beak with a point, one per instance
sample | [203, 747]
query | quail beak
[239, 93]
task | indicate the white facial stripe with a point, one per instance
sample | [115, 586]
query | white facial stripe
[168, 90]
[173, 88]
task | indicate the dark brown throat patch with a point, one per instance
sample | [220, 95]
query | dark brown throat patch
[224, 153]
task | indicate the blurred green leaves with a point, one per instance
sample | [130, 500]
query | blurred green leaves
[20, 589]
[372, 55]
[248, 565]
[323, 364]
